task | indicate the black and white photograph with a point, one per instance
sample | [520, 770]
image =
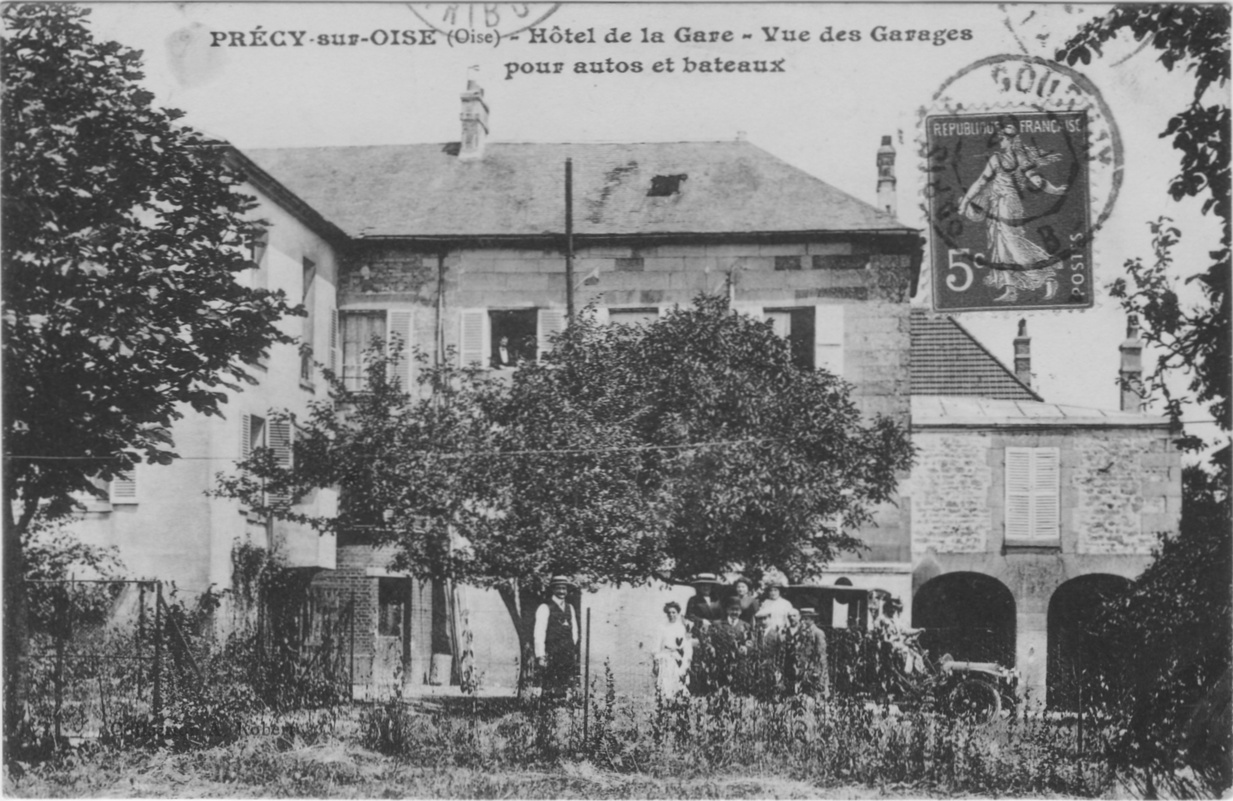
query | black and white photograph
[616, 400]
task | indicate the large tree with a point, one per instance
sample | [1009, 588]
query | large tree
[1191, 341]
[124, 233]
[1171, 629]
[629, 453]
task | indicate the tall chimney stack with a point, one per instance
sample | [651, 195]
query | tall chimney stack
[1023, 355]
[474, 122]
[1131, 372]
[886, 178]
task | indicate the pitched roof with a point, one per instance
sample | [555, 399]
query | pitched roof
[518, 189]
[936, 411]
[948, 360]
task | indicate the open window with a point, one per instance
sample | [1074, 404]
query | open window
[503, 338]
[815, 333]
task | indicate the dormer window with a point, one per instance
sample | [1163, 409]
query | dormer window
[666, 185]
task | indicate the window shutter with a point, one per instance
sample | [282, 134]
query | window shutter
[398, 324]
[1045, 507]
[280, 445]
[601, 315]
[1018, 493]
[1032, 504]
[124, 487]
[551, 321]
[335, 350]
[828, 339]
[473, 338]
[246, 428]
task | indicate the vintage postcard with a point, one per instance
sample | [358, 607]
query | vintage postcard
[670, 399]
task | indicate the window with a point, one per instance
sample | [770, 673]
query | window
[256, 432]
[633, 316]
[1032, 507]
[309, 283]
[391, 606]
[501, 338]
[123, 487]
[359, 329]
[796, 326]
[814, 333]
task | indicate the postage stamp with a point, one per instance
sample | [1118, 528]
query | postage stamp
[1009, 209]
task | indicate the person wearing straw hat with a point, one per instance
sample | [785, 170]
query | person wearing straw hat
[702, 610]
[556, 640]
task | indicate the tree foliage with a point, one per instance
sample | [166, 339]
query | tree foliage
[1173, 636]
[1194, 342]
[124, 234]
[628, 453]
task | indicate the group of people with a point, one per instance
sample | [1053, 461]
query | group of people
[739, 640]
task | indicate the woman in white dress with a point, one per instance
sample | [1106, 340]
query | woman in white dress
[996, 198]
[673, 653]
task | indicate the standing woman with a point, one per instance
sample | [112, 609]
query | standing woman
[673, 654]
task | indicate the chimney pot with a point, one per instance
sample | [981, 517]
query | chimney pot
[1130, 376]
[474, 122]
[1023, 355]
[887, 200]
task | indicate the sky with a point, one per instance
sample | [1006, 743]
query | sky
[824, 113]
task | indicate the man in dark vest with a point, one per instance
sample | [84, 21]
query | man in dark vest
[556, 641]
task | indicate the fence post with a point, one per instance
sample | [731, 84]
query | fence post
[59, 678]
[351, 670]
[586, 685]
[1081, 705]
[141, 636]
[158, 649]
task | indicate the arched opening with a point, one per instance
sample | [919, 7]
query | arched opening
[970, 616]
[1079, 670]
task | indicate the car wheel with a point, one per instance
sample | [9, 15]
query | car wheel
[975, 701]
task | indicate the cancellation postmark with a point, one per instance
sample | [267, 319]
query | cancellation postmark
[1023, 165]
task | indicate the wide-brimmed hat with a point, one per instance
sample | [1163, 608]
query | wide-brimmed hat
[560, 580]
[808, 611]
[705, 578]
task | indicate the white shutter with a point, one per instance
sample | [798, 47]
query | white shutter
[335, 349]
[601, 315]
[398, 323]
[124, 487]
[551, 321]
[828, 339]
[280, 432]
[1018, 493]
[246, 443]
[1032, 504]
[1045, 507]
[473, 344]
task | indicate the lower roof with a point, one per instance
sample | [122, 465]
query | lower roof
[950, 411]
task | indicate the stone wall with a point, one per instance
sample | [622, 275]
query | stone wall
[951, 492]
[1127, 491]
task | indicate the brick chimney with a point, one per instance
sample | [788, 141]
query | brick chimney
[1023, 355]
[887, 201]
[474, 122]
[1131, 372]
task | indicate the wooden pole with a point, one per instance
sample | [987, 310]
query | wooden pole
[158, 649]
[586, 685]
[569, 241]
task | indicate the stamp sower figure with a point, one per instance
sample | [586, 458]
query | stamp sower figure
[702, 610]
[556, 641]
[673, 654]
[996, 198]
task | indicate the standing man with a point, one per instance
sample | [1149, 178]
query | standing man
[556, 641]
[816, 678]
